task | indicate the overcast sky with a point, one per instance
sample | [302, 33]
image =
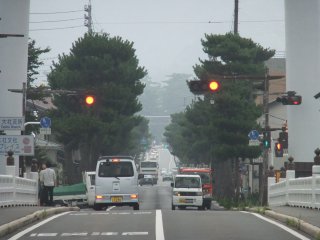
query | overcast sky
[166, 34]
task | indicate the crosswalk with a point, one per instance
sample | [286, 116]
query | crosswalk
[87, 234]
[109, 213]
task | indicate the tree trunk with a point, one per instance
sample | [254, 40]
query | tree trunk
[70, 171]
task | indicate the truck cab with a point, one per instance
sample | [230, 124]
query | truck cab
[187, 192]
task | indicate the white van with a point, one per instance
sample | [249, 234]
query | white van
[187, 192]
[116, 182]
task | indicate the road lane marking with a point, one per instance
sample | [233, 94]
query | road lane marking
[159, 226]
[109, 233]
[74, 234]
[20, 234]
[289, 230]
[79, 214]
[110, 208]
[101, 213]
[138, 213]
[83, 234]
[134, 233]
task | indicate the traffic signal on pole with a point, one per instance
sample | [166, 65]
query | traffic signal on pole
[266, 141]
[203, 86]
[278, 149]
[283, 139]
[89, 100]
[290, 100]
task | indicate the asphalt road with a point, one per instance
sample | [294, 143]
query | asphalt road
[156, 221]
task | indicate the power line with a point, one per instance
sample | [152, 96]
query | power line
[57, 28]
[38, 13]
[62, 20]
[188, 22]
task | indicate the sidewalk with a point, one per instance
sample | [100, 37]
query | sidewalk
[311, 216]
[10, 214]
[14, 218]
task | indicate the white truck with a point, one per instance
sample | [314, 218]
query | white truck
[80, 194]
[149, 168]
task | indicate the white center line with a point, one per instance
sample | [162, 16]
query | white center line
[159, 226]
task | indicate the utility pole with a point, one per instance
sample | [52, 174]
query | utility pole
[263, 168]
[88, 18]
[236, 13]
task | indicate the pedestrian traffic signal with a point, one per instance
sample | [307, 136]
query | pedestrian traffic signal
[203, 86]
[290, 100]
[89, 99]
[278, 149]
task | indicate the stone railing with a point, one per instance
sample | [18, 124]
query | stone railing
[17, 191]
[300, 192]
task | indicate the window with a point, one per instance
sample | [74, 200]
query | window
[115, 169]
[187, 182]
[149, 164]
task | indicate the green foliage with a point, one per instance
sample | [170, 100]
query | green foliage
[107, 68]
[219, 132]
[34, 63]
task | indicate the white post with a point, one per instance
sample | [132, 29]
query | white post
[271, 181]
[11, 170]
[290, 174]
[315, 173]
[35, 176]
[316, 170]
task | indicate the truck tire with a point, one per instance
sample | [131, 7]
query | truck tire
[136, 206]
[173, 207]
[97, 207]
[201, 208]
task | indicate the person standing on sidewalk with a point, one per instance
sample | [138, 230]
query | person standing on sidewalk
[48, 181]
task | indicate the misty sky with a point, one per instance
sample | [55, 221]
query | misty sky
[166, 34]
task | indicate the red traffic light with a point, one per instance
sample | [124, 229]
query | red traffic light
[290, 100]
[278, 146]
[203, 86]
[89, 100]
[278, 150]
[214, 85]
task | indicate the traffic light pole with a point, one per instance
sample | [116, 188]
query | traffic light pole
[264, 166]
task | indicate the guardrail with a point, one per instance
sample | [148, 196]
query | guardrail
[17, 191]
[298, 192]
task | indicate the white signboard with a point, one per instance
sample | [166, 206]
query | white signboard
[257, 160]
[45, 131]
[254, 142]
[20, 145]
[11, 123]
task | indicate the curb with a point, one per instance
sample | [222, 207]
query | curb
[38, 215]
[291, 221]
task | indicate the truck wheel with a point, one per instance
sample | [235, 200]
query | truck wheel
[97, 207]
[173, 207]
[136, 207]
[208, 206]
[201, 208]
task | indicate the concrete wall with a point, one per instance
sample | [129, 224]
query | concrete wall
[13, 61]
[303, 76]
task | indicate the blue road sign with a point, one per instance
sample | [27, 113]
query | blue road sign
[253, 135]
[45, 122]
